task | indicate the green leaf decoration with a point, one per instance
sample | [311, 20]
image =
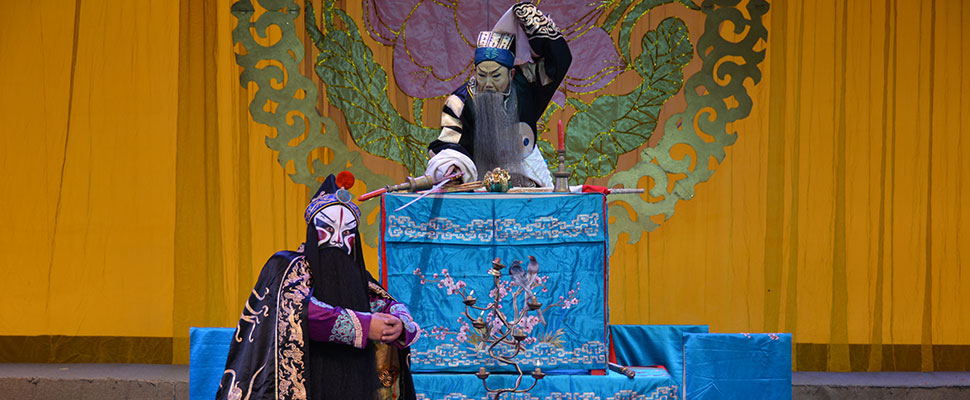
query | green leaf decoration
[577, 104]
[294, 114]
[609, 125]
[614, 16]
[358, 87]
[417, 106]
[614, 125]
[707, 108]
[633, 17]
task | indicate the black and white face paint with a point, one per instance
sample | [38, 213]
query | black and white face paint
[336, 227]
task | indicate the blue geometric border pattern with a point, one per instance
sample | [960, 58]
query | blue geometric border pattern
[660, 393]
[485, 231]
[541, 355]
[486, 219]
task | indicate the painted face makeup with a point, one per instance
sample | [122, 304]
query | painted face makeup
[492, 76]
[336, 227]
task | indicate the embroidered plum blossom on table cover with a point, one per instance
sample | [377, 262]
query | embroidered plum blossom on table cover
[437, 252]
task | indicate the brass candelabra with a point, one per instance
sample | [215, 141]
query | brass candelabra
[509, 334]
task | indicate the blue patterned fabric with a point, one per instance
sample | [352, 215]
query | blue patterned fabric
[737, 366]
[377, 304]
[324, 200]
[653, 345]
[345, 329]
[441, 248]
[653, 384]
[507, 219]
[504, 57]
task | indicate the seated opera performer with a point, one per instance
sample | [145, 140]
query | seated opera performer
[317, 325]
[490, 121]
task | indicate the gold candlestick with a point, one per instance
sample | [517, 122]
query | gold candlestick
[561, 184]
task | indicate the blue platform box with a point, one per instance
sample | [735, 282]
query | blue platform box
[653, 345]
[208, 348]
[737, 366]
[440, 249]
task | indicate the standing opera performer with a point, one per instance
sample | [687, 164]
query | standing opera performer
[317, 325]
[490, 121]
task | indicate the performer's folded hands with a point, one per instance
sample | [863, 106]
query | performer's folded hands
[384, 327]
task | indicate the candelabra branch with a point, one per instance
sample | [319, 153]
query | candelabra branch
[498, 334]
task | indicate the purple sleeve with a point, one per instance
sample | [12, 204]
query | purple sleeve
[334, 324]
[411, 331]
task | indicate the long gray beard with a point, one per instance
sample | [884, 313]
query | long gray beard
[497, 139]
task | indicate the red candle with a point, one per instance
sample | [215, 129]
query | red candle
[562, 138]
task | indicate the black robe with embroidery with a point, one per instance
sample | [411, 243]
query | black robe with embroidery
[271, 355]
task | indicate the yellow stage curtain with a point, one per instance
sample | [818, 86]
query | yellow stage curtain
[837, 215]
[140, 199]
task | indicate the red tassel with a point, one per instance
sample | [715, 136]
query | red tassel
[345, 180]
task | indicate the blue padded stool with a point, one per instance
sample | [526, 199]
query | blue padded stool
[645, 345]
[208, 349]
[737, 366]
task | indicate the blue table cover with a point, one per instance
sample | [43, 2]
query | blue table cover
[737, 366]
[208, 348]
[653, 345]
[443, 245]
[649, 384]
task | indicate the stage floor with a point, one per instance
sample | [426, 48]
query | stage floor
[141, 381]
[94, 381]
[881, 385]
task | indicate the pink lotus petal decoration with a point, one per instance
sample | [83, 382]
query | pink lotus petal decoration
[434, 42]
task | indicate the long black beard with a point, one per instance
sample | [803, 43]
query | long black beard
[339, 280]
[339, 371]
[497, 139]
